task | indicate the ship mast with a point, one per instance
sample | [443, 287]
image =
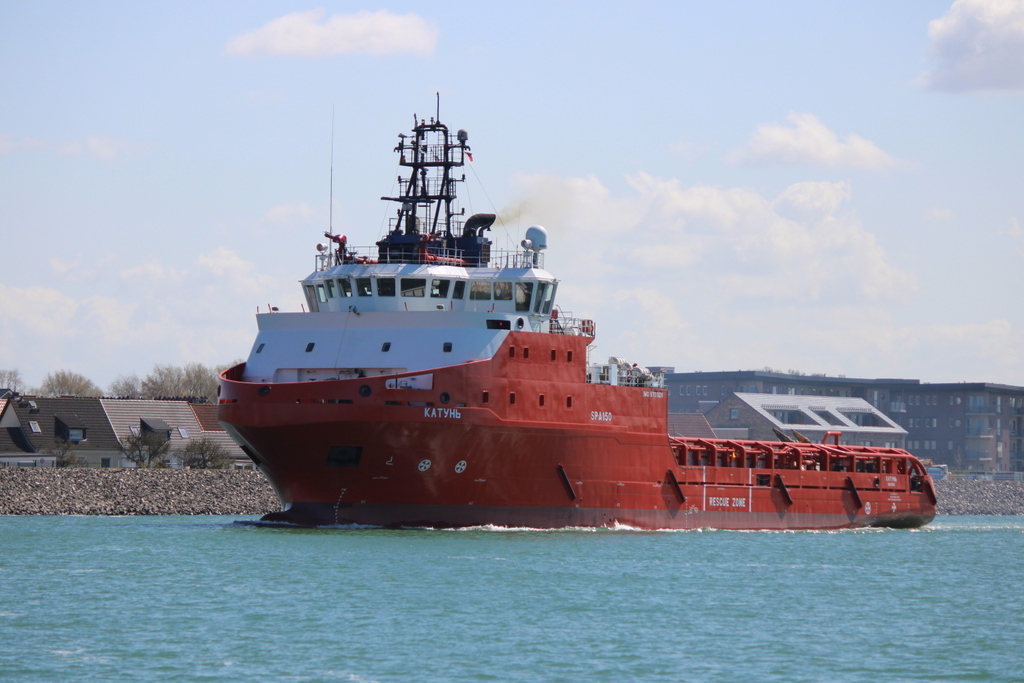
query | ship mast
[427, 220]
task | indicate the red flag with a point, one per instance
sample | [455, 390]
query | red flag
[469, 155]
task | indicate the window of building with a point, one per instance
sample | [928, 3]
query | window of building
[135, 430]
[76, 434]
[734, 414]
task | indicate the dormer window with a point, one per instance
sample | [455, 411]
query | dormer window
[156, 426]
[76, 434]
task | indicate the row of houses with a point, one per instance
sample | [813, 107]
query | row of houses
[967, 426]
[97, 427]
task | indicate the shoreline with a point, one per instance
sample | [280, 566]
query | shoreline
[87, 491]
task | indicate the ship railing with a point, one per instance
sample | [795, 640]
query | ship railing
[577, 327]
[625, 376]
[499, 258]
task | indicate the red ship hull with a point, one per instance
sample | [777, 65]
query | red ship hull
[526, 442]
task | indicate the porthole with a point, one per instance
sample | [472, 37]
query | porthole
[365, 390]
[445, 397]
[520, 323]
[264, 390]
[447, 348]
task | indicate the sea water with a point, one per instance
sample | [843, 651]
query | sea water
[212, 599]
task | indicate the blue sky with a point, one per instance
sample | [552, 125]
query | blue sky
[828, 187]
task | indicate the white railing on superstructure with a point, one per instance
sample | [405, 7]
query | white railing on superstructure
[498, 258]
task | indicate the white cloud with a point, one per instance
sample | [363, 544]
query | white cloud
[978, 45]
[313, 34]
[285, 213]
[150, 313]
[715, 278]
[102, 147]
[1014, 233]
[940, 214]
[808, 142]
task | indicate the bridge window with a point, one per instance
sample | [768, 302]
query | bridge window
[311, 298]
[524, 292]
[385, 286]
[363, 286]
[459, 289]
[330, 289]
[480, 290]
[414, 286]
[321, 296]
[503, 291]
[545, 297]
[439, 288]
[345, 287]
[542, 289]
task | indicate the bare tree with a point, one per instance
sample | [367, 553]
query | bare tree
[126, 386]
[164, 380]
[146, 450]
[204, 454]
[200, 381]
[67, 383]
[193, 380]
[66, 455]
[11, 379]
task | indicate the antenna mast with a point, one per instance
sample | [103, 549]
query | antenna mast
[330, 208]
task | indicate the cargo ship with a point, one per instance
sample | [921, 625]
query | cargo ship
[432, 381]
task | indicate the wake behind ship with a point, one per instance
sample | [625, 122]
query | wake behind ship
[434, 382]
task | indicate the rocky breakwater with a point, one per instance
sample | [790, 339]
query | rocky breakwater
[83, 491]
[959, 497]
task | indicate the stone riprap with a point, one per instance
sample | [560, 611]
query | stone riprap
[82, 491]
[959, 497]
[85, 491]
